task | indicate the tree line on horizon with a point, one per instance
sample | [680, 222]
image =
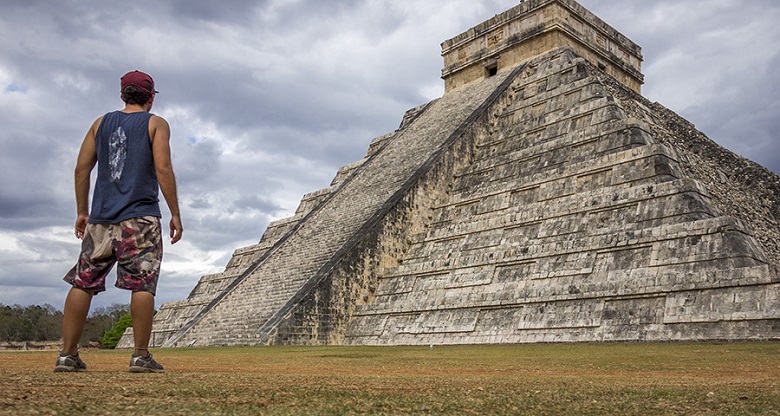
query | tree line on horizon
[44, 323]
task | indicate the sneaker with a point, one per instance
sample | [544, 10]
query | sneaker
[68, 363]
[139, 364]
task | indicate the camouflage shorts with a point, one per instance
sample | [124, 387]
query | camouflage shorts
[135, 244]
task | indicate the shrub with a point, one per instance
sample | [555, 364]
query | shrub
[112, 336]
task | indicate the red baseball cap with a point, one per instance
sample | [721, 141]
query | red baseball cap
[140, 80]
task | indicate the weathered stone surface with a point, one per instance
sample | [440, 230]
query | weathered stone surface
[549, 203]
[574, 223]
[534, 28]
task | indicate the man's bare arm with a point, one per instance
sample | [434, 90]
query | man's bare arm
[160, 133]
[84, 164]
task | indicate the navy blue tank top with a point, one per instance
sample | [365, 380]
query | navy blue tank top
[126, 185]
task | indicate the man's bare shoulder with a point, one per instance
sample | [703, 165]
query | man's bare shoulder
[158, 128]
[157, 120]
[94, 127]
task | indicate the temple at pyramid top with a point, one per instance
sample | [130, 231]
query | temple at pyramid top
[531, 29]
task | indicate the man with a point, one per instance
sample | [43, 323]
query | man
[132, 152]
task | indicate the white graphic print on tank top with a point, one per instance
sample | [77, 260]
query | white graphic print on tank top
[117, 152]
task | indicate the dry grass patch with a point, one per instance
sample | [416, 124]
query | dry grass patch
[586, 379]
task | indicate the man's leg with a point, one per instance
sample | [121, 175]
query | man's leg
[74, 316]
[139, 267]
[142, 309]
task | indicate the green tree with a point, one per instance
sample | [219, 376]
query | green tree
[30, 323]
[100, 320]
[44, 323]
[112, 336]
[8, 323]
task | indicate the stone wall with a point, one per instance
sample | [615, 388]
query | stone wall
[739, 187]
[30, 345]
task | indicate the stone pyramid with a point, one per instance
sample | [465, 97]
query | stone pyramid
[541, 199]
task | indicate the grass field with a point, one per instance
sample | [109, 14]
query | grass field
[558, 379]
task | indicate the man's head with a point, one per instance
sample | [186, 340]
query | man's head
[137, 88]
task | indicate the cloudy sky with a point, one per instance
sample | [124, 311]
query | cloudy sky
[267, 98]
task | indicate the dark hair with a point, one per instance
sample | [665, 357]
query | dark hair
[135, 95]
